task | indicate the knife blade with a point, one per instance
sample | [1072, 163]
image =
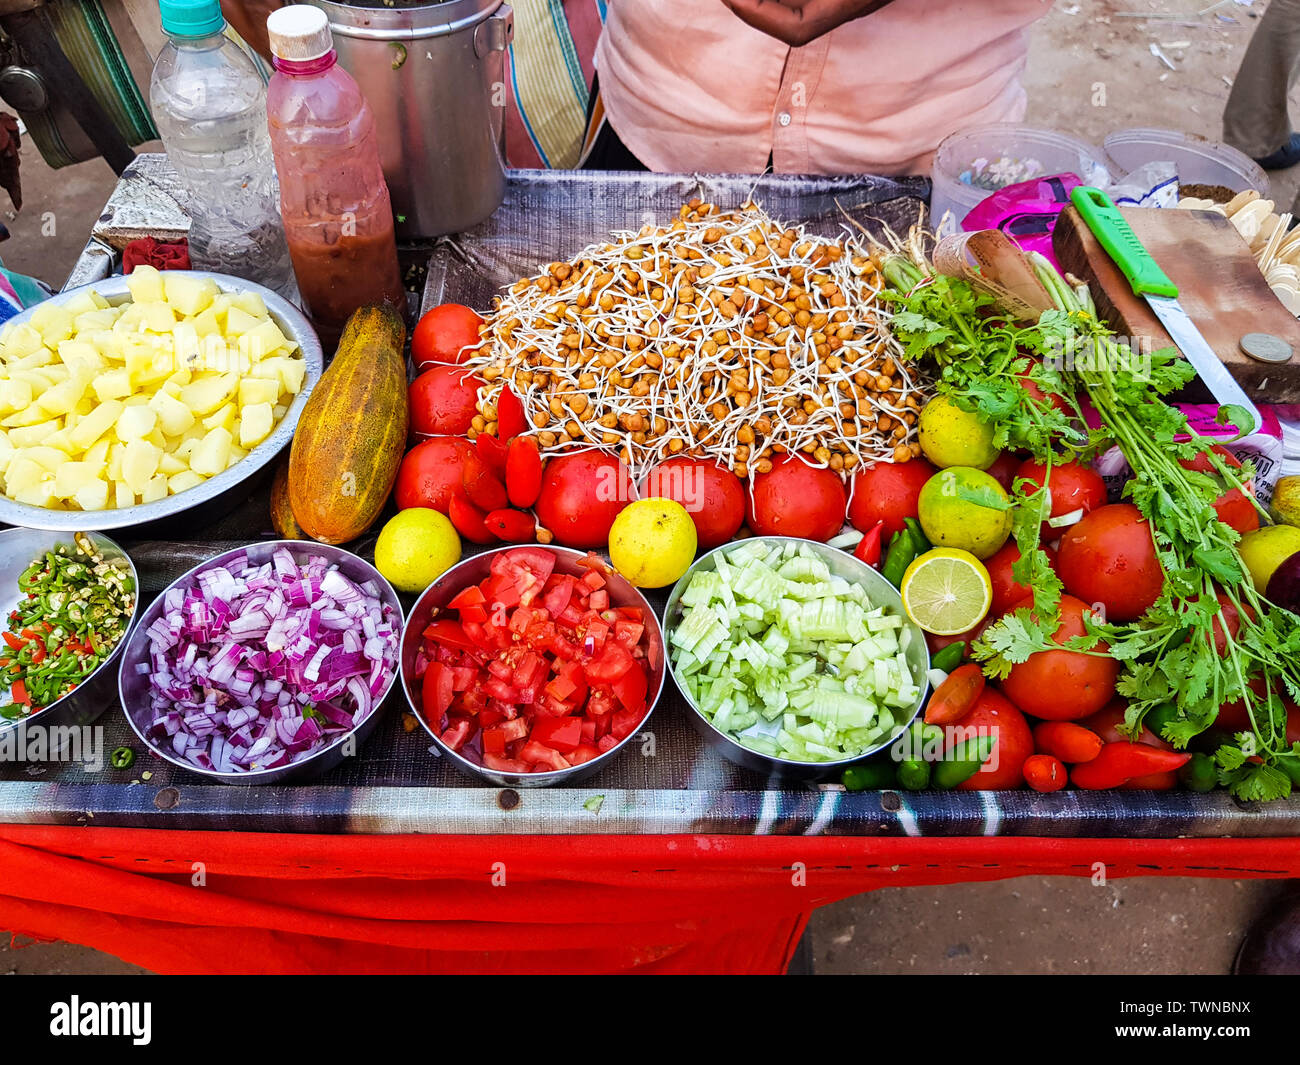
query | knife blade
[1150, 282]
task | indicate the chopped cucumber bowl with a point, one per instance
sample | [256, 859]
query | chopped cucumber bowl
[789, 659]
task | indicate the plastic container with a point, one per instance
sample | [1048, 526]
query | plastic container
[1199, 161]
[337, 215]
[972, 163]
[208, 100]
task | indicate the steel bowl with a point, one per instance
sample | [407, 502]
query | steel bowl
[133, 685]
[218, 494]
[881, 593]
[19, 548]
[471, 571]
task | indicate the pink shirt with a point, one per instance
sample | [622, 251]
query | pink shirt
[688, 86]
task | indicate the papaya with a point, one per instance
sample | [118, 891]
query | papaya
[352, 433]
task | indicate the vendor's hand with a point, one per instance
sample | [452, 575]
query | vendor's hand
[796, 22]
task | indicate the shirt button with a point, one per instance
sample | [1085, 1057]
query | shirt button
[784, 118]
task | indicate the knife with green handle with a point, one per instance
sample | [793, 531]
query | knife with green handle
[1142, 271]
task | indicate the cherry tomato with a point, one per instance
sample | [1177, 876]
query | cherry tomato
[953, 698]
[1006, 591]
[993, 713]
[714, 497]
[1071, 485]
[581, 496]
[1233, 507]
[887, 491]
[433, 471]
[796, 499]
[1109, 559]
[1044, 773]
[443, 400]
[1063, 685]
[442, 334]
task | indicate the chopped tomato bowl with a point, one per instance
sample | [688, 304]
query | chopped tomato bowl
[539, 666]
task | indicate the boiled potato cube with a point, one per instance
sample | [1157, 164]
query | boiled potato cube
[135, 423]
[174, 416]
[189, 295]
[155, 490]
[112, 384]
[23, 475]
[255, 424]
[252, 303]
[157, 317]
[93, 495]
[39, 495]
[80, 304]
[206, 324]
[61, 398]
[181, 481]
[49, 458]
[146, 284]
[239, 322]
[206, 394]
[96, 423]
[139, 463]
[169, 464]
[209, 458]
[226, 417]
[15, 394]
[23, 340]
[97, 456]
[288, 370]
[258, 390]
[115, 461]
[122, 495]
[236, 453]
[71, 477]
[279, 411]
[81, 355]
[53, 321]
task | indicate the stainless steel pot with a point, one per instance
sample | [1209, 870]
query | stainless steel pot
[434, 76]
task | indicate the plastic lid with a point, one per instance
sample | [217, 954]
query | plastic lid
[191, 18]
[299, 33]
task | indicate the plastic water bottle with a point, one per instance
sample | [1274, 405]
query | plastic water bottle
[337, 214]
[209, 102]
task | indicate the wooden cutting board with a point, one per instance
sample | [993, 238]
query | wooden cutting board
[1219, 286]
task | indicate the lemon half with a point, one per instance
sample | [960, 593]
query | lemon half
[947, 591]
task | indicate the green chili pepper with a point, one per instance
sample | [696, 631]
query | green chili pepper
[1200, 773]
[963, 761]
[901, 553]
[950, 657]
[122, 758]
[918, 535]
[870, 776]
[914, 774]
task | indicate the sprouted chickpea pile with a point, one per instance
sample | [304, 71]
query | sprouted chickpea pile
[724, 335]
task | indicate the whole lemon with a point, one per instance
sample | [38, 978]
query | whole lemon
[950, 436]
[1286, 500]
[652, 542]
[1265, 549]
[415, 548]
[967, 509]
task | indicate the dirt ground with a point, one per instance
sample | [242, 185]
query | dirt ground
[1090, 71]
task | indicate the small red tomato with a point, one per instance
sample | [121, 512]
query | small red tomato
[442, 335]
[1071, 486]
[468, 520]
[1063, 685]
[1109, 559]
[512, 526]
[581, 496]
[1233, 507]
[993, 714]
[714, 497]
[1044, 773]
[443, 401]
[1006, 591]
[511, 419]
[523, 471]
[1037, 391]
[1004, 469]
[433, 471]
[796, 499]
[888, 492]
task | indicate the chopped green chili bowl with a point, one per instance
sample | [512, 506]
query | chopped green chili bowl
[69, 602]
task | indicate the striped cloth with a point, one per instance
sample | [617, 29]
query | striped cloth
[548, 76]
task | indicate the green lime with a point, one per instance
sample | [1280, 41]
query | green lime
[415, 548]
[950, 436]
[967, 509]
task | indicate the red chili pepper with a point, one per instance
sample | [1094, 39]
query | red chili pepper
[1044, 773]
[523, 471]
[484, 489]
[1122, 761]
[953, 698]
[468, 519]
[1067, 741]
[493, 453]
[19, 693]
[512, 526]
[38, 653]
[13, 641]
[868, 549]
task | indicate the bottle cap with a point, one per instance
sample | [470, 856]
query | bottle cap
[299, 32]
[191, 18]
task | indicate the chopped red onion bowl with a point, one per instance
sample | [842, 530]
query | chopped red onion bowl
[261, 666]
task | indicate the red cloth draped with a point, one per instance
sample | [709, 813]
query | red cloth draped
[160, 254]
[270, 903]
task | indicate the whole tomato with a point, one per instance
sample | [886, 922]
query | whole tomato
[442, 335]
[433, 471]
[713, 497]
[887, 491]
[1036, 390]
[1004, 469]
[581, 496]
[1105, 723]
[1063, 685]
[1234, 718]
[796, 499]
[1227, 622]
[1071, 485]
[1006, 591]
[993, 713]
[1233, 507]
[1109, 558]
[444, 400]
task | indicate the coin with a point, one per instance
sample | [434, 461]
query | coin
[1265, 347]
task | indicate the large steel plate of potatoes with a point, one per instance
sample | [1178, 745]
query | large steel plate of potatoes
[136, 398]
